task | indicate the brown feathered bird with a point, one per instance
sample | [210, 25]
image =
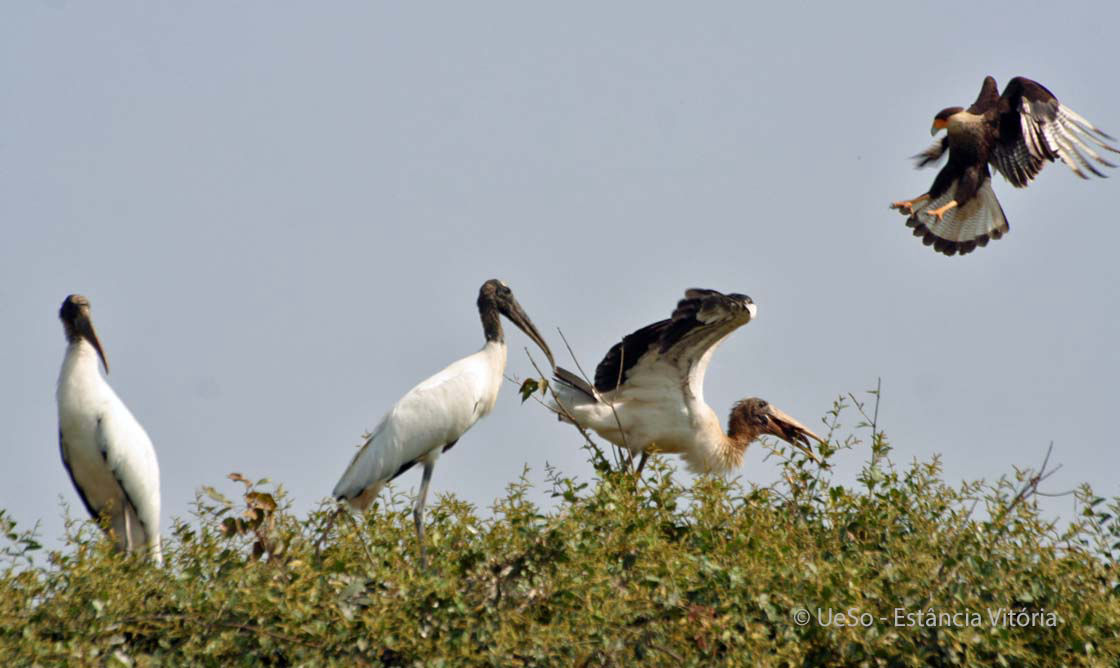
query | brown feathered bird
[1017, 132]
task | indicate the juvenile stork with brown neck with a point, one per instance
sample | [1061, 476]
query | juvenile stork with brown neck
[431, 417]
[649, 390]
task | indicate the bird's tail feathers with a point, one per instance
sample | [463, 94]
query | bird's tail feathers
[961, 229]
[570, 391]
[566, 378]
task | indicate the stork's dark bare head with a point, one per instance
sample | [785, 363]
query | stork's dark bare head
[77, 323]
[754, 417]
[941, 120]
[495, 297]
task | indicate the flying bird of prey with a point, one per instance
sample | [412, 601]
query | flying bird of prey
[107, 453]
[1017, 132]
[649, 390]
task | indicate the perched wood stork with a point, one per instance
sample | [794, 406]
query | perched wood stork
[649, 390]
[431, 417]
[107, 453]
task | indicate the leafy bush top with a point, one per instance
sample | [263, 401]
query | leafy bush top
[619, 571]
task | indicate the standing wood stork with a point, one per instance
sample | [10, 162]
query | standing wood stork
[654, 379]
[107, 453]
[431, 417]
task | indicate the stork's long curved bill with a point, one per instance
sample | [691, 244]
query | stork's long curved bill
[518, 316]
[791, 431]
[84, 327]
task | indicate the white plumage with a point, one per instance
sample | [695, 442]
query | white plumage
[980, 219]
[434, 415]
[427, 420]
[107, 453]
[648, 394]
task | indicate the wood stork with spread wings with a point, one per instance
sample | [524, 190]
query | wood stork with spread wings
[649, 390]
[107, 453]
[431, 417]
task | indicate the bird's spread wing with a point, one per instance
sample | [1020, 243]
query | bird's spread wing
[701, 320]
[963, 228]
[623, 355]
[932, 155]
[1035, 128]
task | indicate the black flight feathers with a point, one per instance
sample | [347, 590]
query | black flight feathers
[699, 309]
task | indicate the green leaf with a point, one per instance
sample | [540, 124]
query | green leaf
[528, 388]
[216, 495]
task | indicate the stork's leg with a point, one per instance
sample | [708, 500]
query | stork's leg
[127, 542]
[906, 206]
[418, 512]
[940, 211]
[642, 463]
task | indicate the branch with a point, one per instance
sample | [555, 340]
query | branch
[628, 454]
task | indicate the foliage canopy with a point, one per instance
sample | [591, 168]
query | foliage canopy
[617, 571]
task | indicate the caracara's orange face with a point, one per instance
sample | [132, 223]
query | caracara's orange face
[941, 120]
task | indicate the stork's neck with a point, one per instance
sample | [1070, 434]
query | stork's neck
[491, 323]
[740, 434]
[81, 364]
[713, 450]
[740, 431]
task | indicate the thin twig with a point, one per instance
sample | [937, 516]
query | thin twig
[1029, 489]
[328, 525]
[628, 455]
[361, 539]
[875, 418]
[564, 410]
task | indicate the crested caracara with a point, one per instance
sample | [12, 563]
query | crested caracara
[1017, 133]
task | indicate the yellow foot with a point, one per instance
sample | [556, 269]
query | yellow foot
[939, 213]
[906, 206]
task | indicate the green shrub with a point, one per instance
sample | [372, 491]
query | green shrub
[617, 572]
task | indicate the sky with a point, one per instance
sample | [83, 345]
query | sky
[282, 213]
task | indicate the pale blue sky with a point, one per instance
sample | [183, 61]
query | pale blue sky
[282, 213]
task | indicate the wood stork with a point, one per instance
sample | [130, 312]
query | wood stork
[654, 379]
[431, 417]
[107, 453]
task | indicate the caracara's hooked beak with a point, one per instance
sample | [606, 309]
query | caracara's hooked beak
[517, 316]
[791, 431]
[939, 124]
